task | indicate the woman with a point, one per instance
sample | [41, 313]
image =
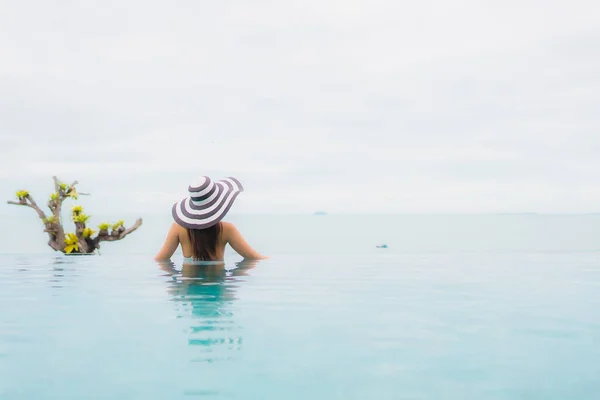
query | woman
[198, 226]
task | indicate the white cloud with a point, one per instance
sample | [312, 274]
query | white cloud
[429, 106]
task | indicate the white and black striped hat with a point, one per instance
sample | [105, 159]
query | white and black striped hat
[207, 203]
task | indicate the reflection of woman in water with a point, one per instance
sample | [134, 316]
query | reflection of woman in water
[205, 293]
[198, 226]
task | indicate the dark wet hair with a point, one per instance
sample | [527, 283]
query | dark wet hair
[204, 242]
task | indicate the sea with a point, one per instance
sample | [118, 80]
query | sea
[502, 306]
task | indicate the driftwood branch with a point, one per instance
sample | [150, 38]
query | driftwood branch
[19, 203]
[30, 204]
[126, 232]
[55, 206]
[62, 194]
[36, 207]
[81, 241]
[56, 184]
[52, 228]
[116, 235]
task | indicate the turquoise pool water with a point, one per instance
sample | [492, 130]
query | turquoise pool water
[504, 313]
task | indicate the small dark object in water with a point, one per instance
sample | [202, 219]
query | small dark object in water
[382, 246]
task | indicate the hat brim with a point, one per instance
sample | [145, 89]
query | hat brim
[191, 215]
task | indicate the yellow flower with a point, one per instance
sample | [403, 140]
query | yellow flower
[71, 243]
[21, 194]
[118, 224]
[88, 232]
[82, 218]
[54, 196]
[77, 209]
[104, 226]
[73, 193]
[49, 219]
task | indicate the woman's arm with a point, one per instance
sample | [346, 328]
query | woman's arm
[170, 245]
[239, 244]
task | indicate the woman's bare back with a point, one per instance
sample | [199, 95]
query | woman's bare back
[229, 234]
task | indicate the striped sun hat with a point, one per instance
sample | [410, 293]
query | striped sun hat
[207, 203]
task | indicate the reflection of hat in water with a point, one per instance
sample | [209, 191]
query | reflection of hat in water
[207, 203]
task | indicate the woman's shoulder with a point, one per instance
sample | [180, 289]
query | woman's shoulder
[227, 226]
[228, 229]
[178, 228]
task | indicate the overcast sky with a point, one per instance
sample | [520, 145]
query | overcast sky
[343, 106]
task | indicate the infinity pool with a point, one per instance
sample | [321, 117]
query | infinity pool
[482, 307]
[412, 326]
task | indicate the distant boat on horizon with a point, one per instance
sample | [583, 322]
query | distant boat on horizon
[320, 213]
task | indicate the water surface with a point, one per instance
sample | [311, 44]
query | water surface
[500, 307]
